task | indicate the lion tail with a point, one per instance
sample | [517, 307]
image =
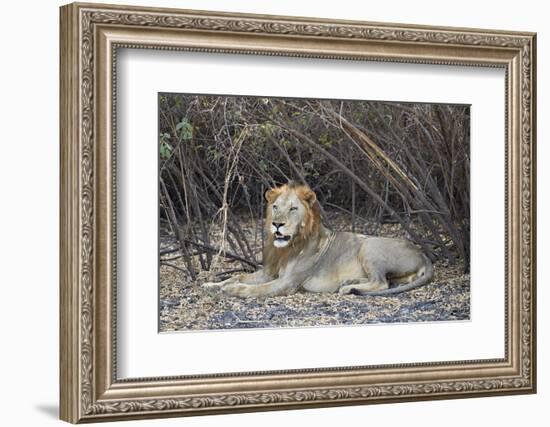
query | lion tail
[424, 276]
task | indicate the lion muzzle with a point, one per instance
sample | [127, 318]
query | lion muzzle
[280, 240]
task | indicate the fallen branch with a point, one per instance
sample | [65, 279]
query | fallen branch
[225, 253]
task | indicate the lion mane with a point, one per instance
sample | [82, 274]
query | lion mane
[274, 259]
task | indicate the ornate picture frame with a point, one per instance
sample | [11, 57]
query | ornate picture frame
[90, 37]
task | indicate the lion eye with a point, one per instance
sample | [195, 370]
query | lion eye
[293, 208]
[275, 207]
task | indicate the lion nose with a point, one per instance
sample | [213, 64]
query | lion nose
[278, 224]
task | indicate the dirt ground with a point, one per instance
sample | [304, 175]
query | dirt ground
[184, 305]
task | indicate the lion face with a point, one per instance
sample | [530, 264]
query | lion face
[289, 213]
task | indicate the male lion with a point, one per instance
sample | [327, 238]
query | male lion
[300, 253]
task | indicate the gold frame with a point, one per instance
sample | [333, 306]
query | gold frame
[90, 35]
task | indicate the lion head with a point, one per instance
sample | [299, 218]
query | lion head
[292, 219]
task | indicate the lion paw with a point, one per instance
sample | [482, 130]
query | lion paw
[347, 287]
[347, 290]
[236, 290]
[212, 286]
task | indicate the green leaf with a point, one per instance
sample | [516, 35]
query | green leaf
[165, 150]
[185, 128]
[164, 137]
[263, 165]
[324, 139]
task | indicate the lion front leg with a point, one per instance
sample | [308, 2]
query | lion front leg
[250, 278]
[217, 285]
[275, 287]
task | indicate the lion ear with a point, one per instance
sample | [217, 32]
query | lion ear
[310, 197]
[271, 195]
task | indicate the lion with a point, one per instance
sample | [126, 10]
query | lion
[300, 253]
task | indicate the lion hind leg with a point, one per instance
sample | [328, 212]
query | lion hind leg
[415, 280]
[404, 278]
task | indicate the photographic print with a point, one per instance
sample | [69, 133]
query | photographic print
[288, 212]
[341, 220]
